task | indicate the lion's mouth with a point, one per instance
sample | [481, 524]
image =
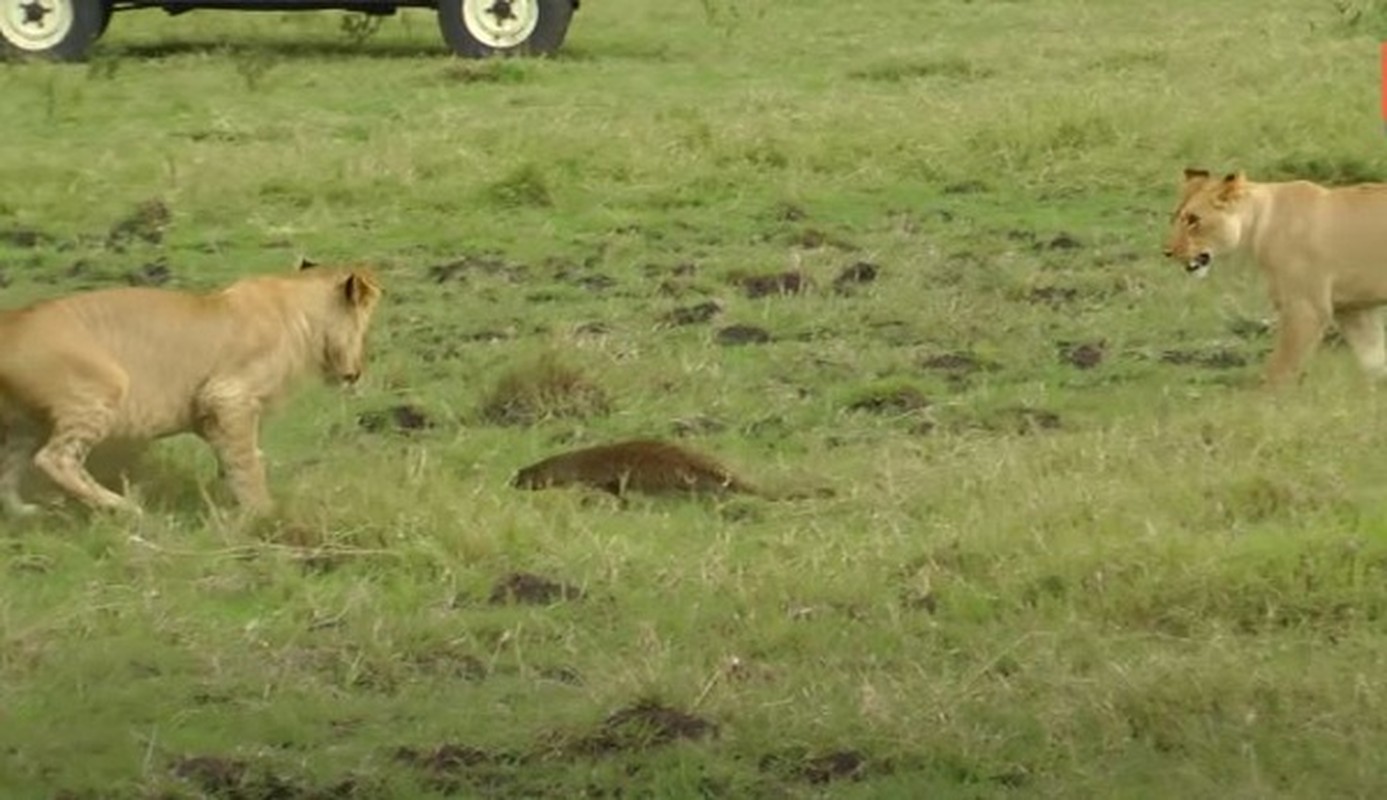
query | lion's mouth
[1199, 265]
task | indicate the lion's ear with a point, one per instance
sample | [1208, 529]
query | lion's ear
[1192, 174]
[305, 263]
[1233, 186]
[360, 288]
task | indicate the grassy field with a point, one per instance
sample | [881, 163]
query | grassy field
[1073, 551]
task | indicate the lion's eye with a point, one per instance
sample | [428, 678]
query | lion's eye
[1192, 219]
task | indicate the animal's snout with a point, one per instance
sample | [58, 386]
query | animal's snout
[350, 378]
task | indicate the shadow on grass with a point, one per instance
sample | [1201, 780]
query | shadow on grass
[277, 50]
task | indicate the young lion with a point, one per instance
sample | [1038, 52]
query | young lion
[139, 364]
[1323, 252]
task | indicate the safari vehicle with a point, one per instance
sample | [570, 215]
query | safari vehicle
[64, 29]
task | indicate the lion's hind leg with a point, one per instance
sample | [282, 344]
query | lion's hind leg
[1362, 329]
[76, 427]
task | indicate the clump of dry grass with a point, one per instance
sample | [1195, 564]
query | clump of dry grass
[543, 389]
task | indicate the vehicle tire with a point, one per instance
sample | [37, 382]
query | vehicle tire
[58, 29]
[107, 9]
[481, 28]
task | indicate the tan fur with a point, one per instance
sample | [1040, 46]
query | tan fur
[140, 364]
[1322, 251]
[640, 465]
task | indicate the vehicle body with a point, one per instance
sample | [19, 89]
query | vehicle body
[64, 29]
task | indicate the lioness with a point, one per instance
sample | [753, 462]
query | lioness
[139, 364]
[1323, 252]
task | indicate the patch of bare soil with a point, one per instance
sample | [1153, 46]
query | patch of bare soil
[895, 332]
[914, 600]
[147, 223]
[809, 239]
[236, 779]
[734, 335]
[1024, 419]
[1052, 295]
[213, 774]
[595, 281]
[1245, 328]
[22, 237]
[776, 283]
[1060, 241]
[443, 758]
[454, 768]
[675, 281]
[594, 328]
[1084, 355]
[460, 269]
[813, 239]
[698, 425]
[404, 418]
[789, 212]
[966, 187]
[684, 269]
[891, 400]
[694, 314]
[562, 674]
[80, 274]
[528, 588]
[154, 273]
[819, 768]
[854, 275]
[958, 363]
[641, 726]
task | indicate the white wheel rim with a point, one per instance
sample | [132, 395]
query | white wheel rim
[495, 23]
[35, 24]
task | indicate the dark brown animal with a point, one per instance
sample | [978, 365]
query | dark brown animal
[639, 465]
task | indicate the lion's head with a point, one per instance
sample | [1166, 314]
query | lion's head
[354, 298]
[1207, 222]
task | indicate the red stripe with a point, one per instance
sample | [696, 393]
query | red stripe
[1384, 81]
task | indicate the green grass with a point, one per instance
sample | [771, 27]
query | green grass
[1073, 552]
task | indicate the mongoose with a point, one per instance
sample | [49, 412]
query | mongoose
[638, 465]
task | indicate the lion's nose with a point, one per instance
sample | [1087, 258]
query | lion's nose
[351, 377]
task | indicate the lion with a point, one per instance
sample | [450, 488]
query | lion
[1322, 250]
[137, 364]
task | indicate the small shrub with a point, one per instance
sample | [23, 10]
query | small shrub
[525, 186]
[541, 390]
[889, 397]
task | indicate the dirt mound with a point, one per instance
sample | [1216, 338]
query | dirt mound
[642, 726]
[404, 417]
[525, 587]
